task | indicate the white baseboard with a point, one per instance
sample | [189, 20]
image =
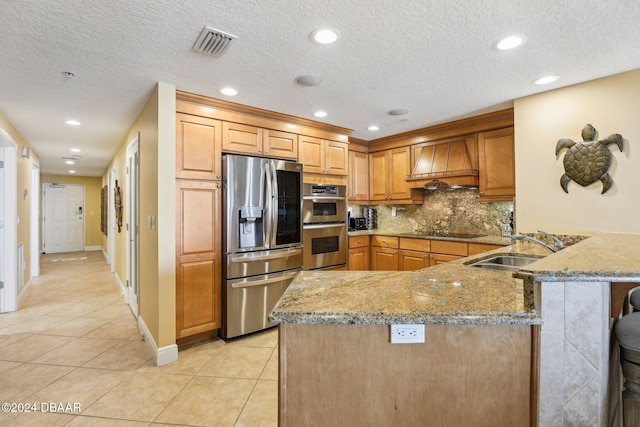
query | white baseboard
[93, 248]
[123, 290]
[162, 355]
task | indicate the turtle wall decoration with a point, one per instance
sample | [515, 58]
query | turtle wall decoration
[588, 161]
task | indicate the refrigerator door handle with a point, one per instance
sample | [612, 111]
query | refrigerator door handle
[247, 283]
[251, 258]
[268, 205]
[274, 200]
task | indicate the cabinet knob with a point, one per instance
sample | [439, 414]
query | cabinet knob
[259, 151]
[218, 186]
[218, 177]
[266, 151]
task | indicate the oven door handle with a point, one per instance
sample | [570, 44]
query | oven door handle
[247, 283]
[321, 226]
[323, 198]
[251, 258]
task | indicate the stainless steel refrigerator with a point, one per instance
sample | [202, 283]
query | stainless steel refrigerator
[262, 238]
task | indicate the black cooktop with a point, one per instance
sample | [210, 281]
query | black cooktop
[452, 235]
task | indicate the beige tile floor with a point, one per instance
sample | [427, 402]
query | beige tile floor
[74, 341]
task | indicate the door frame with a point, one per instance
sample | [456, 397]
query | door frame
[9, 237]
[34, 263]
[111, 218]
[132, 190]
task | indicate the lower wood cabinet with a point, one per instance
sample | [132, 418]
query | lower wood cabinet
[359, 255]
[198, 257]
[413, 260]
[384, 253]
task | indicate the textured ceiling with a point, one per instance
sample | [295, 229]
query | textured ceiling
[434, 58]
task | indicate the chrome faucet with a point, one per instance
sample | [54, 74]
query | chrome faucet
[557, 243]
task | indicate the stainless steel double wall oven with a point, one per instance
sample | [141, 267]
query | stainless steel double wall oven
[325, 226]
[262, 238]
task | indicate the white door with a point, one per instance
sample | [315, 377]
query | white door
[133, 228]
[8, 224]
[63, 218]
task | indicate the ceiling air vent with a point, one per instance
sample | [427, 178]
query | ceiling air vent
[213, 42]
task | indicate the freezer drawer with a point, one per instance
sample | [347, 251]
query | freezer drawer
[246, 264]
[248, 301]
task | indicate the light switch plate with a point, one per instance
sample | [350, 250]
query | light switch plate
[407, 334]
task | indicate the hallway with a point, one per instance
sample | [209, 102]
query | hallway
[72, 353]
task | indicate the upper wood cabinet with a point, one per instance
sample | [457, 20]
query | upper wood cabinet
[323, 156]
[388, 171]
[497, 165]
[255, 141]
[358, 188]
[198, 147]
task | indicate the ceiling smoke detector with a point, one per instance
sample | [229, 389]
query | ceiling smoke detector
[213, 42]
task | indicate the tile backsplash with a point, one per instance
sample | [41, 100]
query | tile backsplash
[456, 211]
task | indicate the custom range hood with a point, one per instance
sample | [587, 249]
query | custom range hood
[445, 164]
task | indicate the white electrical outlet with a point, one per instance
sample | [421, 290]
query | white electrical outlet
[407, 334]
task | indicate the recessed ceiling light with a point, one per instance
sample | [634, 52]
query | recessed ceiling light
[229, 91]
[72, 122]
[324, 36]
[398, 112]
[509, 42]
[320, 113]
[308, 80]
[72, 171]
[75, 150]
[373, 128]
[70, 162]
[545, 80]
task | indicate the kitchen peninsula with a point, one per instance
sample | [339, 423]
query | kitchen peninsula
[495, 345]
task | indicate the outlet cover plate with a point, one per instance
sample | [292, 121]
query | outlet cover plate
[407, 334]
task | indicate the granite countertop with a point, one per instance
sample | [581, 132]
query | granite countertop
[485, 239]
[454, 293]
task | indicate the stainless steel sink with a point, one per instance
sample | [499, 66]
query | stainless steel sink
[504, 262]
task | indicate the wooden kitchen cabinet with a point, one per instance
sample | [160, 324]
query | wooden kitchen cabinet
[359, 256]
[478, 248]
[414, 254]
[358, 183]
[198, 257]
[255, 141]
[496, 168]
[388, 171]
[198, 147]
[323, 156]
[384, 253]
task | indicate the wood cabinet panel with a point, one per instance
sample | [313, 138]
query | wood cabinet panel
[378, 176]
[359, 241]
[464, 375]
[423, 245]
[437, 259]
[478, 248]
[239, 138]
[324, 156]
[384, 259]
[388, 171]
[384, 241]
[449, 247]
[359, 259]
[198, 257]
[413, 260]
[497, 165]
[400, 164]
[358, 184]
[197, 147]
[282, 145]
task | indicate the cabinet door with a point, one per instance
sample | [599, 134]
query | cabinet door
[198, 261]
[359, 259]
[413, 260]
[384, 259]
[336, 157]
[399, 169]
[378, 175]
[237, 138]
[198, 147]
[437, 259]
[496, 165]
[280, 145]
[311, 154]
[478, 248]
[358, 176]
